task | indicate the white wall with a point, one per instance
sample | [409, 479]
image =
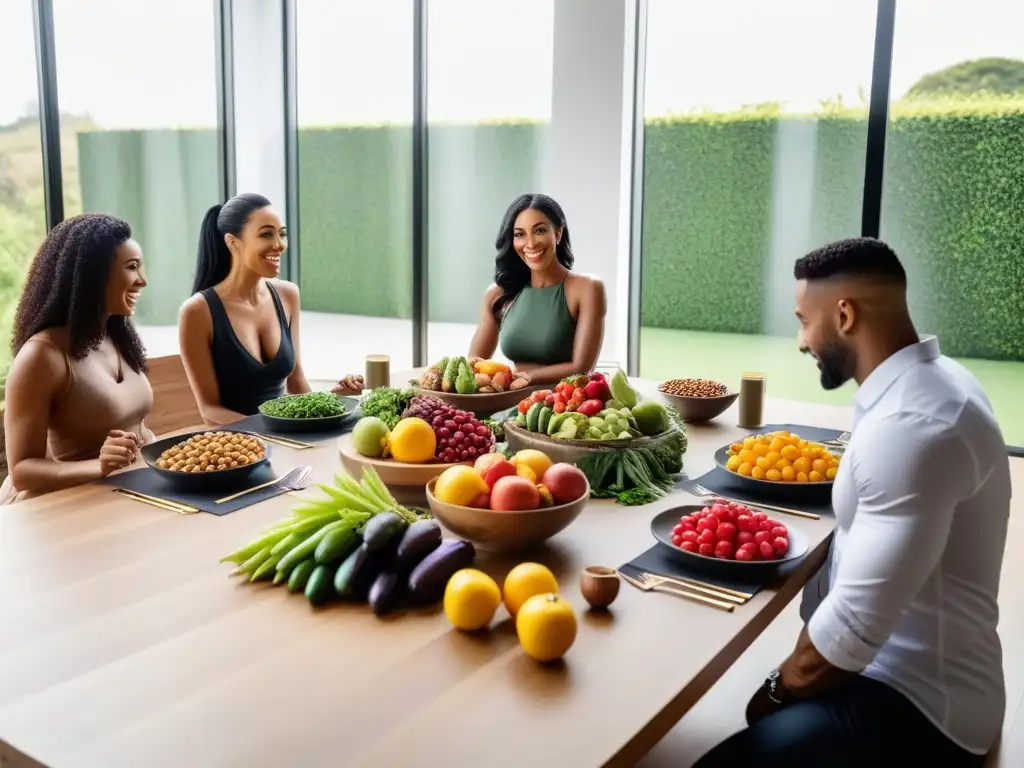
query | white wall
[591, 129]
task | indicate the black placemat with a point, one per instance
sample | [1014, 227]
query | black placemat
[152, 484]
[260, 425]
[658, 561]
[796, 495]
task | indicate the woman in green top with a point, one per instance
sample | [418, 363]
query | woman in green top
[548, 319]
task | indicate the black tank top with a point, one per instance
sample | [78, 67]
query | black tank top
[245, 382]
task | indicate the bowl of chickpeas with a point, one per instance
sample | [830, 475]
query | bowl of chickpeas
[211, 459]
[780, 458]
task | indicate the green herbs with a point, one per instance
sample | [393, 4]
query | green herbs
[635, 476]
[311, 405]
[497, 427]
[387, 404]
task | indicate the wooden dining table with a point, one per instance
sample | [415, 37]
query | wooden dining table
[125, 642]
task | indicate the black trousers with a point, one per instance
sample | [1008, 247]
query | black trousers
[861, 723]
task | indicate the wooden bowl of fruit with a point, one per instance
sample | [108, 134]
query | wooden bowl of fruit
[697, 399]
[727, 538]
[495, 505]
[479, 386]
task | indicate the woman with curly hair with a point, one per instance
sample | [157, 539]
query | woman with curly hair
[548, 319]
[77, 392]
[239, 333]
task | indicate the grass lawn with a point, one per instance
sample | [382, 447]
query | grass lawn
[667, 354]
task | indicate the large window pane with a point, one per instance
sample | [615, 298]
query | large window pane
[756, 121]
[355, 183]
[138, 103]
[953, 204]
[22, 204]
[489, 105]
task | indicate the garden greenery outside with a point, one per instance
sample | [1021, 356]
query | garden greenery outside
[729, 201]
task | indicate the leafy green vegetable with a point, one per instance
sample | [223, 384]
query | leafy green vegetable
[311, 405]
[387, 404]
[497, 427]
[634, 476]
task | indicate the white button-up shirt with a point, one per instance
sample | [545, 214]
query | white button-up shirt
[922, 502]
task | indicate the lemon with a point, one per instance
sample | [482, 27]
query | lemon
[546, 627]
[470, 599]
[413, 441]
[460, 485]
[524, 581]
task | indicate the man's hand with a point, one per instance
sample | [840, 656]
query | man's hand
[350, 385]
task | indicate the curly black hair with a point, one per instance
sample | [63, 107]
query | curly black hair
[66, 286]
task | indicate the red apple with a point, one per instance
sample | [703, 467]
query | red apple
[483, 501]
[566, 482]
[488, 460]
[514, 493]
[497, 471]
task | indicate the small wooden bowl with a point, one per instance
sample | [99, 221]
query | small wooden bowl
[696, 409]
[394, 474]
[482, 404]
[599, 585]
[505, 531]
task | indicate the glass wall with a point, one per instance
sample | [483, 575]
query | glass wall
[138, 121]
[489, 104]
[22, 204]
[355, 100]
[754, 148]
[953, 200]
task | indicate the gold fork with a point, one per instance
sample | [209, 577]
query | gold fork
[721, 593]
[649, 585]
[700, 490]
[156, 501]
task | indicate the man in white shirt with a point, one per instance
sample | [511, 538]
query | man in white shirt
[901, 659]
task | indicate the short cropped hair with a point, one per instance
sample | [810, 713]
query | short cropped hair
[853, 257]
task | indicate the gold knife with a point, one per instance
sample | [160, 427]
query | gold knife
[171, 506]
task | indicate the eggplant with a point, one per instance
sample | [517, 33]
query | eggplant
[430, 577]
[381, 530]
[386, 590]
[419, 540]
[356, 573]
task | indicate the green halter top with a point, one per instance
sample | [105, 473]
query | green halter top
[538, 327]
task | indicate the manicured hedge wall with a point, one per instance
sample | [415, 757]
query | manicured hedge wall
[729, 202]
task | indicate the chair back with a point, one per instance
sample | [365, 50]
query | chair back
[174, 406]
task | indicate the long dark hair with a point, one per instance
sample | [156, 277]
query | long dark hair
[66, 286]
[213, 259]
[510, 273]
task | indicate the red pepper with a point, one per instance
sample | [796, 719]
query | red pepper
[598, 390]
[597, 376]
[591, 408]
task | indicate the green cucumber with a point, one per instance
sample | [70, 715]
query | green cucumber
[308, 547]
[533, 416]
[336, 545]
[320, 587]
[521, 419]
[545, 416]
[300, 575]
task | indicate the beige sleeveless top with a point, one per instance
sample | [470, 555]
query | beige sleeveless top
[87, 409]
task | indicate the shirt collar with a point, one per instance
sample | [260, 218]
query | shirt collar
[894, 366]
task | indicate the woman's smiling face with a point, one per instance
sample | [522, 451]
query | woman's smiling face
[535, 239]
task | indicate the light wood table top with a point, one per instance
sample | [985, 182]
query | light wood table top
[124, 642]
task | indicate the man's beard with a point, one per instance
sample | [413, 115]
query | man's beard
[836, 364]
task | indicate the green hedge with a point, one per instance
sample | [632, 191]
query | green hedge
[729, 202]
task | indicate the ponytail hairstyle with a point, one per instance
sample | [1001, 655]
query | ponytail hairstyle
[510, 273]
[213, 259]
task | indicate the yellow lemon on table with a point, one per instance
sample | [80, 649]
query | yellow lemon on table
[413, 441]
[470, 599]
[546, 626]
[460, 485]
[538, 461]
[524, 581]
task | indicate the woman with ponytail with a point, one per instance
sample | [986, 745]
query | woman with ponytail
[239, 333]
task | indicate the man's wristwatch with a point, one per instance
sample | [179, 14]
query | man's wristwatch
[771, 685]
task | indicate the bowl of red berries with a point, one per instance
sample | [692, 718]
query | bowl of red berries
[727, 534]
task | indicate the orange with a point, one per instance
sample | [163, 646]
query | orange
[470, 599]
[524, 581]
[413, 441]
[460, 485]
[538, 461]
[546, 626]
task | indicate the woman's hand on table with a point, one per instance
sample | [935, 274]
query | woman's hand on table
[118, 451]
[350, 385]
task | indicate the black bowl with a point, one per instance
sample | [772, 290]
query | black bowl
[201, 481]
[325, 424]
[663, 523]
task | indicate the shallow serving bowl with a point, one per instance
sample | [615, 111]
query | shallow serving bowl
[394, 474]
[482, 404]
[281, 425]
[569, 451]
[202, 481]
[505, 531]
[697, 409]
